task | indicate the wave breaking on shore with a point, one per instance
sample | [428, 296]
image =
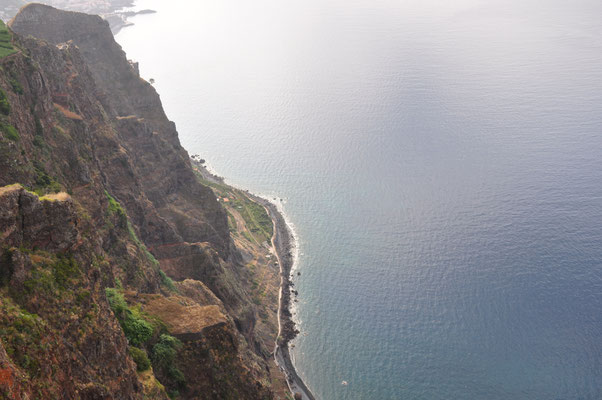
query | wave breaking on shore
[286, 245]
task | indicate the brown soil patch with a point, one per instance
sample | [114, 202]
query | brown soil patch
[181, 315]
[68, 113]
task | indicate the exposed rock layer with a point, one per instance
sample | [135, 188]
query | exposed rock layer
[87, 124]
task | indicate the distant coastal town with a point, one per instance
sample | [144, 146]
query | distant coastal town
[115, 12]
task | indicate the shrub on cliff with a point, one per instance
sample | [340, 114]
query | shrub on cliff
[167, 281]
[44, 183]
[38, 137]
[17, 88]
[6, 47]
[163, 358]
[114, 208]
[140, 358]
[116, 301]
[136, 329]
[64, 270]
[9, 131]
[165, 350]
[4, 104]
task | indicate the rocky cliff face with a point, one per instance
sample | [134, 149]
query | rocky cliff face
[49, 264]
[118, 275]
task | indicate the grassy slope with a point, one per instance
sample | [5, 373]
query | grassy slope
[258, 222]
[6, 47]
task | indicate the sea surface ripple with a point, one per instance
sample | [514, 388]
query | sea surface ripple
[442, 164]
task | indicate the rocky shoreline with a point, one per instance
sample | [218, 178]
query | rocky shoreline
[283, 242]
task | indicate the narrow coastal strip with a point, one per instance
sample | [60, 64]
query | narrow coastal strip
[283, 243]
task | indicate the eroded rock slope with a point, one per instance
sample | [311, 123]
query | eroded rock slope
[118, 275]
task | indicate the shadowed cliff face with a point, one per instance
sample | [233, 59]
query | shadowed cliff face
[181, 210]
[76, 118]
[142, 164]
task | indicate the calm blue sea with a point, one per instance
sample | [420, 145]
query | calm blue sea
[441, 162]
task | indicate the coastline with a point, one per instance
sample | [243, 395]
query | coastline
[120, 19]
[116, 12]
[283, 243]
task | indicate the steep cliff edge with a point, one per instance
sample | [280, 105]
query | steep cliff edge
[118, 275]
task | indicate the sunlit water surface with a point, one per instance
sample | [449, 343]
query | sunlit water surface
[441, 162]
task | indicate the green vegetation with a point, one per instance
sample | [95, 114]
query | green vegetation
[22, 334]
[163, 357]
[167, 281]
[115, 208]
[165, 350]
[255, 215]
[4, 104]
[38, 138]
[6, 47]
[9, 131]
[136, 329]
[17, 88]
[219, 187]
[64, 269]
[52, 286]
[44, 304]
[145, 332]
[141, 245]
[39, 127]
[140, 358]
[44, 183]
[38, 141]
[82, 296]
[247, 236]
[53, 275]
[12, 71]
[231, 223]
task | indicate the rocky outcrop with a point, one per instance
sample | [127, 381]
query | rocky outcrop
[44, 267]
[185, 319]
[143, 130]
[100, 212]
[142, 164]
[49, 223]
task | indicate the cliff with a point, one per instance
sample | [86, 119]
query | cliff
[119, 275]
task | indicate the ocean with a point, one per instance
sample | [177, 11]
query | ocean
[441, 164]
